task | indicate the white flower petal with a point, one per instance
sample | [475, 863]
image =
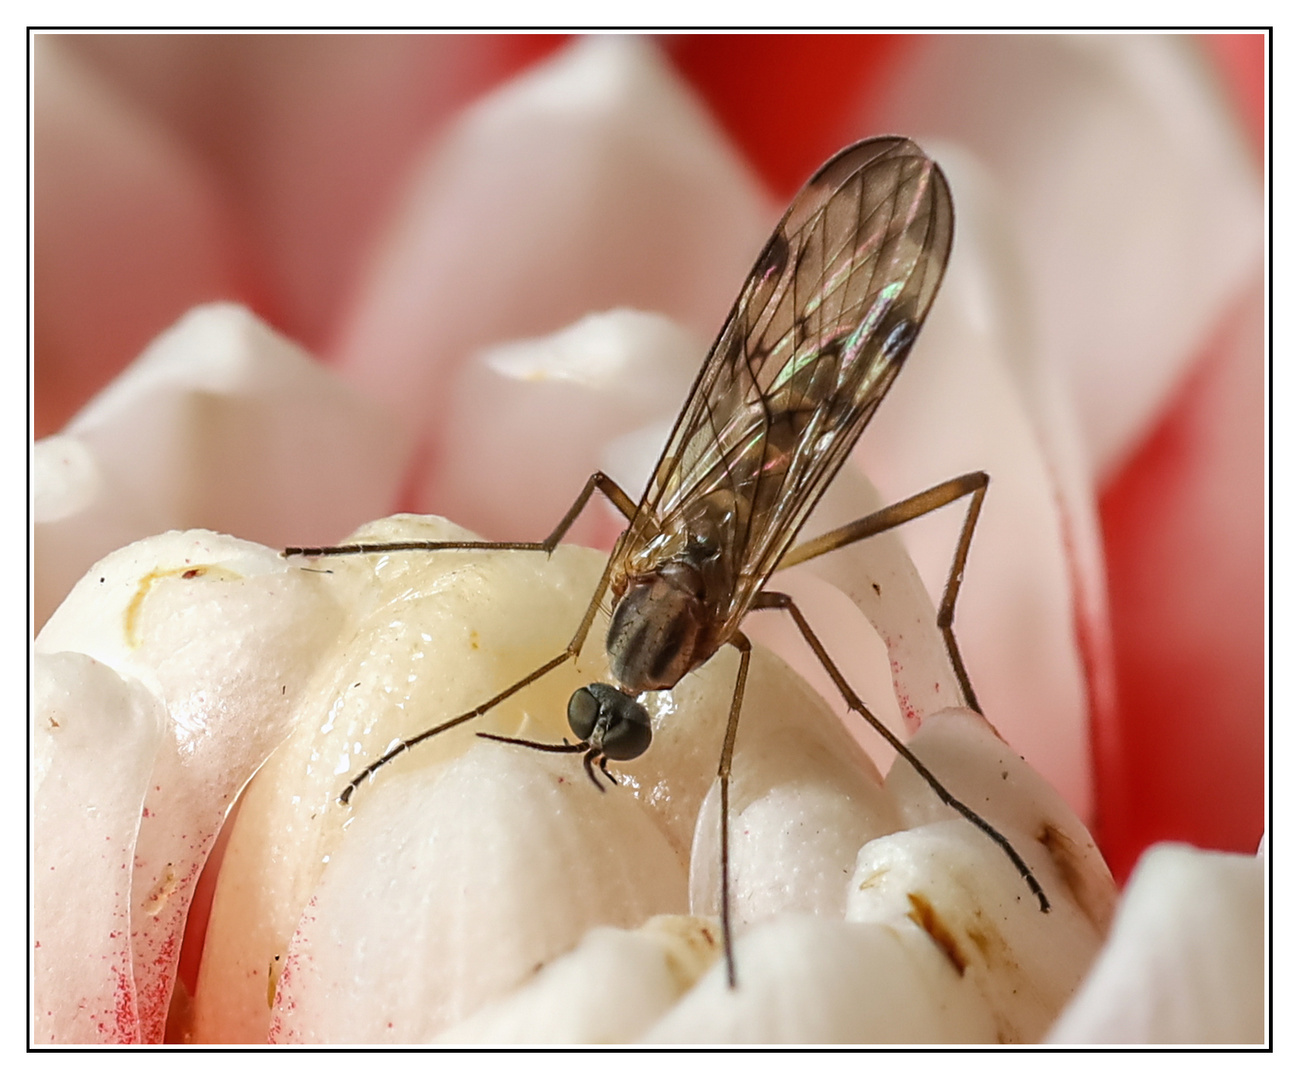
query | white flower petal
[225, 636]
[804, 798]
[803, 979]
[65, 478]
[94, 739]
[1185, 962]
[792, 849]
[966, 754]
[961, 893]
[571, 393]
[220, 423]
[610, 989]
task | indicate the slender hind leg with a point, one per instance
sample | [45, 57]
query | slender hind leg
[598, 480]
[890, 517]
[770, 600]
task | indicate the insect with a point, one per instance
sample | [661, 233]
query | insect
[817, 336]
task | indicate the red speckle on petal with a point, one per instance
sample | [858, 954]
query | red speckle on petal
[153, 1008]
[124, 1006]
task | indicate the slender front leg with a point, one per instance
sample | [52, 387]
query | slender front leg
[768, 600]
[724, 783]
[890, 517]
[597, 480]
[572, 650]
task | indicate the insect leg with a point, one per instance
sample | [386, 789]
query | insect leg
[604, 767]
[973, 484]
[608, 488]
[572, 650]
[786, 603]
[407, 744]
[724, 783]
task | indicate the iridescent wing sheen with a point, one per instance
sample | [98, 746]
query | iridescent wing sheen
[819, 332]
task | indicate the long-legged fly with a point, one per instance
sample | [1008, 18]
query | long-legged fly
[817, 336]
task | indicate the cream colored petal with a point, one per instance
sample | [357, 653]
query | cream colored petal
[945, 884]
[976, 766]
[428, 637]
[442, 896]
[803, 799]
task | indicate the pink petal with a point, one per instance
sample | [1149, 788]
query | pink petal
[1186, 540]
[129, 232]
[977, 395]
[594, 182]
[572, 392]
[1138, 209]
[310, 136]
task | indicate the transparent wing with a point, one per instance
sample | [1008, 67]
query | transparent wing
[818, 334]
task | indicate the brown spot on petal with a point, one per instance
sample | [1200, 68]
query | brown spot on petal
[131, 617]
[690, 946]
[987, 941]
[1093, 892]
[274, 968]
[925, 916]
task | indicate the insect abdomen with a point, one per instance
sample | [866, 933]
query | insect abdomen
[657, 633]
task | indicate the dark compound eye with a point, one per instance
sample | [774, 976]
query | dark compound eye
[611, 721]
[629, 736]
[584, 711]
